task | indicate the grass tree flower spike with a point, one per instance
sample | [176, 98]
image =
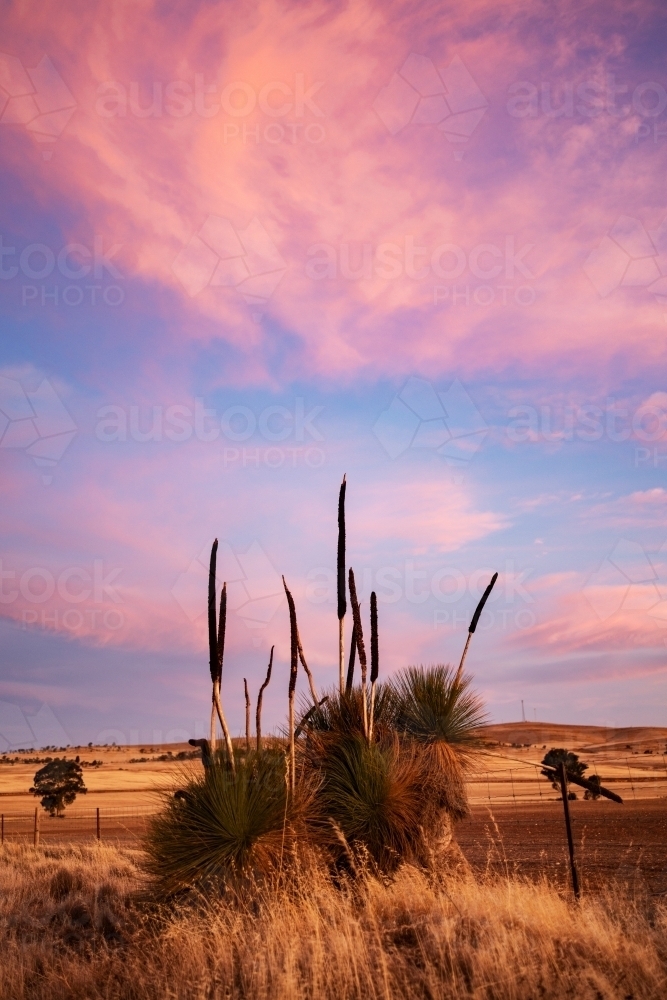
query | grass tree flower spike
[340, 578]
[294, 666]
[375, 659]
[258, 717]
[350, 667]
[359, 635]
[473, 624]
[247, 715]
[216, 643]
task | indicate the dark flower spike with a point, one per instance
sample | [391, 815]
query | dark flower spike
[375, 660]
[480, 606]
[361, 649]
[473, 624]
[294, 666]
[247, 715]
[356, 615]
[212, 631]
[258, 718]
[350, 668]
[215, 649]
[294, 640]
[342, 599]
[222, 628]
[340, 578]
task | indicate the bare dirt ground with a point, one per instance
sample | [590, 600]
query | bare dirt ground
[623, 843]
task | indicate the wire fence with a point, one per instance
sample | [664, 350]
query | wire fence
[511, 790]
[121, 825]
[516, 824]
[524, 784]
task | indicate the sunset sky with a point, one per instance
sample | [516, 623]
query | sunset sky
[248, 248]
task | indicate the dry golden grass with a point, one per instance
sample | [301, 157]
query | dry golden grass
[70, 928]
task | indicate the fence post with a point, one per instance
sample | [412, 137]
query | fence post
[2, 829]
[35, 836]
[566, 808]
[99, 832]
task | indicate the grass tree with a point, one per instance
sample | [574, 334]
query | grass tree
[384, 774]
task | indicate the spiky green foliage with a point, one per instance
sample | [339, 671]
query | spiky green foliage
[434, 707]
[393, 796]
[371, 795]
[222, 824]
[342, 714]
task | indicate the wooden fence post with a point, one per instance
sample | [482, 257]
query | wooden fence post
[562, 773]
[35, 836]
[99, 832]
[2, 829]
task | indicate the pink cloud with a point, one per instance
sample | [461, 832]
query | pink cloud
[151, 183]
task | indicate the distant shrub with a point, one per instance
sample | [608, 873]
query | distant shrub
[557, 756]
[591, 793]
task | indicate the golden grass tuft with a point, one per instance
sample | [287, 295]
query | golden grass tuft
[70, 928]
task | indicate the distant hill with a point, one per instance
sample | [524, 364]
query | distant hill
[578, 737]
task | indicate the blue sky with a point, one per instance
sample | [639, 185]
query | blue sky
[365, 242]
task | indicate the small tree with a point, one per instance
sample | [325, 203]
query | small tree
[556, 756]
[58, 784]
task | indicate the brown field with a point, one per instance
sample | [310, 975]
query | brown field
[516, 822]
[507, 774]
